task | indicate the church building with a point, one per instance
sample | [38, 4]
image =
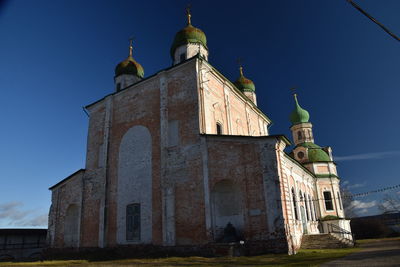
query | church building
[177, 158]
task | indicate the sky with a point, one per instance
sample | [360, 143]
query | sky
[58, 56]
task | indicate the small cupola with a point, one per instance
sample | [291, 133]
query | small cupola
[188, 42]
[246, 86]
[301, 127]
[128, 71]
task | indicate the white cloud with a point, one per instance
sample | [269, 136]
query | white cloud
[376, 155]
[12, 214]
[39, 220]
[363, 211]
[357, 204]
[11, 211]
[355, 185]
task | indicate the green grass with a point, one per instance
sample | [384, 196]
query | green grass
[366, 241]
[307, 257]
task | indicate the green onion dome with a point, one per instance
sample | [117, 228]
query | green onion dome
[299, 115]
[188, 35]
[244, 84]
[129, 66]
[315, 152]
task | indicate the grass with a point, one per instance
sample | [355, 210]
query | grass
[306, 257]
[366, 241]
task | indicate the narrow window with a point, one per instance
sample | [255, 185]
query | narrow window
[328, 200]
[173, 133]
[307, 207]
[118, 86]
[312, 211]
[182, 57]
[340, 201]
[296, 216]
[299, 136]
[133, 222]
[219, 128]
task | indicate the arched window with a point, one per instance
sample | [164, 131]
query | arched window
[219, 128]
[312, 211]
[314, 208]
[182, 57]
[328, 200]
[307, 208]
[340, 201]
[299, 135]
[296, 216]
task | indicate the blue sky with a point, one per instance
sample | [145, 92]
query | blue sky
[57, 56]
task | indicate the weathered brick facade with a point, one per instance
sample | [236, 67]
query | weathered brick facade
[172, 159]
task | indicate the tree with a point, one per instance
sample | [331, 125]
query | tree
[390, 203]
[347, 200]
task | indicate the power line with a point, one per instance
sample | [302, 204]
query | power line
[373, 19]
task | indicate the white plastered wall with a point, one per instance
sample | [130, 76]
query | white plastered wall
[224, 105]
[300, 180]
[331, 185]
[190, 50]
[135, 182]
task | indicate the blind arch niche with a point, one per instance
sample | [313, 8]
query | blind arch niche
[135, 183]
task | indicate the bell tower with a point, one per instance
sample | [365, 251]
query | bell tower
[301, 127]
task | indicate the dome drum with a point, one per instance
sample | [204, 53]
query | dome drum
[313, 153]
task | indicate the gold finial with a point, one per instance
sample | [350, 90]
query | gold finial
[130, 46]
[188, 14]
[241, 70]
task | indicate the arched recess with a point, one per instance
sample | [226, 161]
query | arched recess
[226, 198]
[134, 196]
[71, 226]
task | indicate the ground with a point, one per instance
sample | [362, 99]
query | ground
[372, 252]
[310, 257]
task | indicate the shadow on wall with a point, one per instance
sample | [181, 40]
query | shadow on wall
[227, 208]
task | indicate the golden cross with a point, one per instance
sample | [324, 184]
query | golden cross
[130, 46]
[188, 14]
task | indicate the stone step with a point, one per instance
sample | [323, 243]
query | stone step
[324, 241]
